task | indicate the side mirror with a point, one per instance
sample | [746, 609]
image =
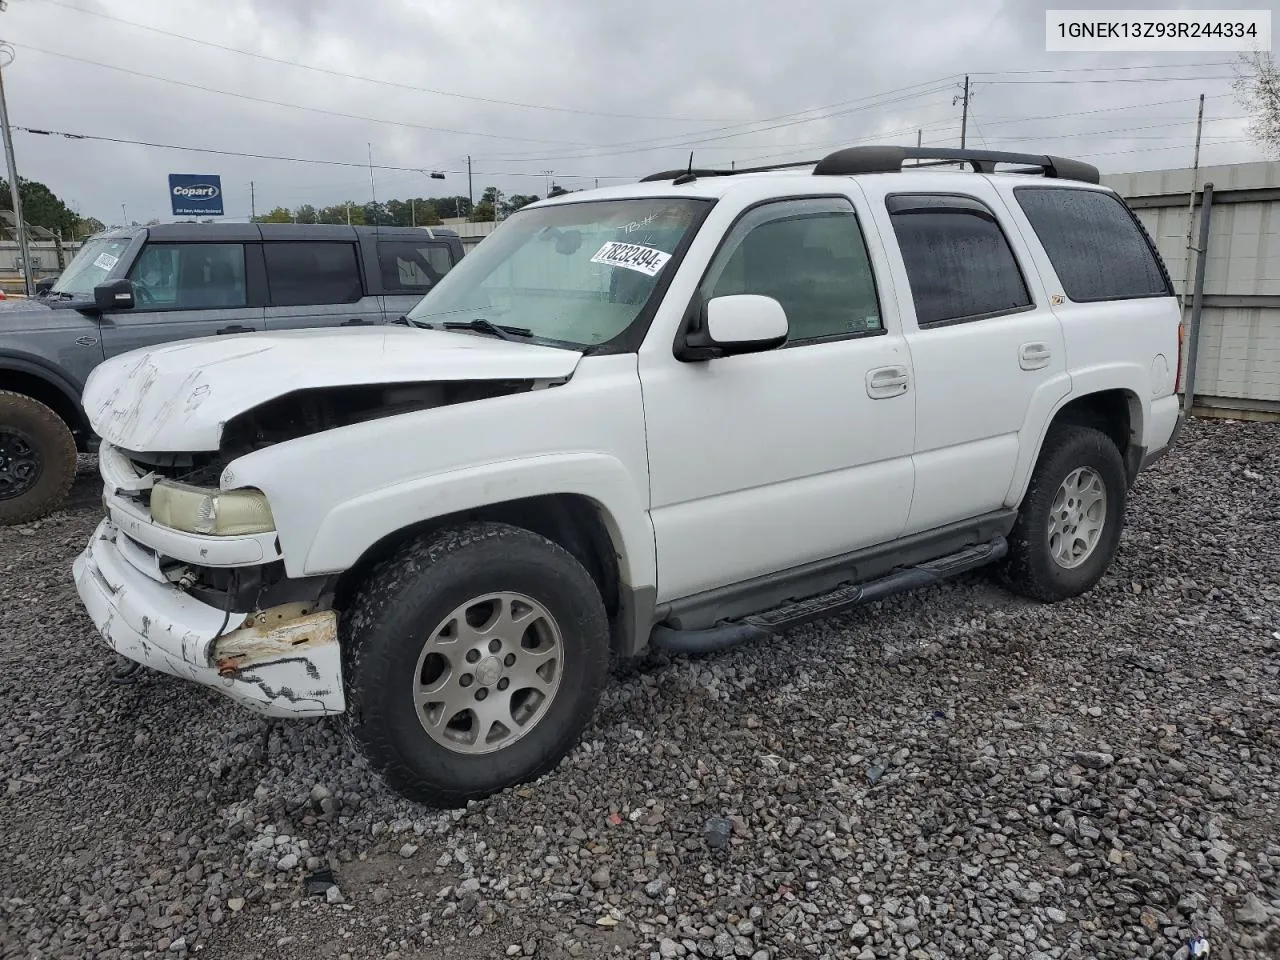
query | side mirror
[741, 323]
[114, 295]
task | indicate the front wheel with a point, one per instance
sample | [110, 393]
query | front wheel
[1068, 526]
[475, 657]
[37, 459]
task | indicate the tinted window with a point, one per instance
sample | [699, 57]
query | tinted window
[809, 256]
[413, 265]
[189, 276]
[312, 273]
[1095, 245]
[958, 261]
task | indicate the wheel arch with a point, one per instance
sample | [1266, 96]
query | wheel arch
[32, 379]
[1116, 411]
[579, 524]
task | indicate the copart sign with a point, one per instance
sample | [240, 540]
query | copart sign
[195, 194]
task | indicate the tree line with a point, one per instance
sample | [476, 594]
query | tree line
[413, 212]
[41, 207]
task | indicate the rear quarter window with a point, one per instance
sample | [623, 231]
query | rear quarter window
[1096, 245]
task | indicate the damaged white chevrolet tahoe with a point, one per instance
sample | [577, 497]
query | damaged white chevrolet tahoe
[683, 413]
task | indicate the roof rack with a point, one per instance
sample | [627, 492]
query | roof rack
[889, 159]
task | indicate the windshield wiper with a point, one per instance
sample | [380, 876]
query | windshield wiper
[480, 325]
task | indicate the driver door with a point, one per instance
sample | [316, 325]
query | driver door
[185, 290]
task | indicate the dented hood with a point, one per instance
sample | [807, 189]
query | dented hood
[178, 397]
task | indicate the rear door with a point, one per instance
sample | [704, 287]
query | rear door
[184, 290]
[985, 344]
[408, 268]
[317, 283]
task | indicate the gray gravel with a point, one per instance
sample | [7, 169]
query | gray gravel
[947, 774]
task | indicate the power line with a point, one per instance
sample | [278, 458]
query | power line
[291, 106]
[287, 159]
[649, 146]
[386, 83]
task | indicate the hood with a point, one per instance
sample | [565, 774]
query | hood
[20, 315]
[178, 397]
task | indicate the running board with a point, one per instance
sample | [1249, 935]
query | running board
[796, 612]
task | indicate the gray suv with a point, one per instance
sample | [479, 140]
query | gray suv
[138, 287]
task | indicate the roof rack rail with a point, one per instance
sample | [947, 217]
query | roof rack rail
[889, 159]
[692, 173]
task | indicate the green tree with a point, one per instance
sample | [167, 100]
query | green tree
[40, 206]
[514, 203]
[306, 214]
[339, 213]
[453, 206]
[88, 226]
[278, 215]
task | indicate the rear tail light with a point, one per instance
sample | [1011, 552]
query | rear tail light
[1177, 381]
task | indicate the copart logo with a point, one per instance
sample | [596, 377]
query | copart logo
[197, 191]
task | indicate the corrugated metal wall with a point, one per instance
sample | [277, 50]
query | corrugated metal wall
[1238, 366]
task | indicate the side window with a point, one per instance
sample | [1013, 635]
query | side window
[312, 272]
[809, 255]
[411, 265]
[189, 276]
[1094, 243]
[958, 260]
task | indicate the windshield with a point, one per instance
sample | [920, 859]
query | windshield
[90, 266]
[576, 273]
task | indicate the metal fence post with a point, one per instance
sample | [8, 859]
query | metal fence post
[1197, 303]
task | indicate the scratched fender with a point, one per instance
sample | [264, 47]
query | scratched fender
[291, 670]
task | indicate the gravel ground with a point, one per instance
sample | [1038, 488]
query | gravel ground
[947, 774]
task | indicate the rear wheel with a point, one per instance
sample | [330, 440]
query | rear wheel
[37, 459]
[1069, 524]
[474, 659]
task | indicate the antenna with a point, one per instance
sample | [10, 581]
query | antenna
[689, 176]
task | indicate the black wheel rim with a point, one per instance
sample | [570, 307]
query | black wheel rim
[20, 463]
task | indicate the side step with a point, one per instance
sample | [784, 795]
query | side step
[845, 597]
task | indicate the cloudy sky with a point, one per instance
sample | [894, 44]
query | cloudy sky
[586, 89]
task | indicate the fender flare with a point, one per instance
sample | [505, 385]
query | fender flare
[351, 528]
[1097, 380]
[36, 367]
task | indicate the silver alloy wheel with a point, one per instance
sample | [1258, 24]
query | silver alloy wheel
[1077, 517]
[488, 673]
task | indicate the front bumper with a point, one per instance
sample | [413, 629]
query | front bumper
[292, 669]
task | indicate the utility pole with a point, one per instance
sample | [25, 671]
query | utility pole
[964, 114]
[19, 224]
[348, 214]
[1191, 207]
[124, 213]
[253, 203]
[1191, 222]
[471, 194]
[413, 211]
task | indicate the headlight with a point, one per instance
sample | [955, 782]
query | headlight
[216, 512]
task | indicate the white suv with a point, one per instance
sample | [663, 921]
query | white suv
[682, 413]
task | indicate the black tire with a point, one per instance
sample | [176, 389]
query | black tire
[29, 426]
[1030, 569]
[391, 618]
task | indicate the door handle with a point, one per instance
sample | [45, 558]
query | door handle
[354, 322]
[236, 328]
[886, 382]
[1033, 356]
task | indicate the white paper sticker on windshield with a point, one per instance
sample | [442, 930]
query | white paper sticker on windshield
[632, 256]
[106, 261]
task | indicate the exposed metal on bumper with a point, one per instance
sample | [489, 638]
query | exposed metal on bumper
[290, 670]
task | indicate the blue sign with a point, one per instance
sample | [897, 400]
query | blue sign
[195, 194]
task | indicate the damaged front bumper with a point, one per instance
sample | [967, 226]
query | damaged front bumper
[289, 668]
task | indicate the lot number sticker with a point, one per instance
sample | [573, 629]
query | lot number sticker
[632, 256]
[106, 261]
